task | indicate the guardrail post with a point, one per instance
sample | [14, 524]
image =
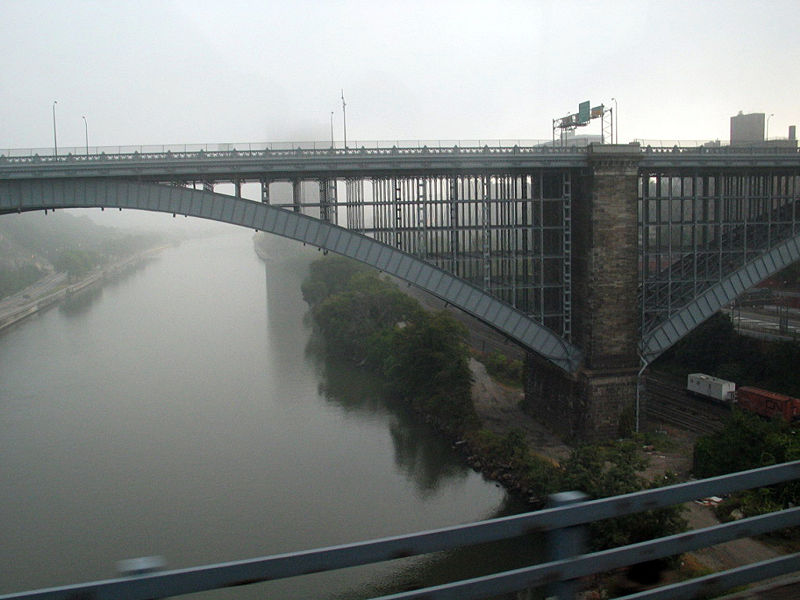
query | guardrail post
[565, 543]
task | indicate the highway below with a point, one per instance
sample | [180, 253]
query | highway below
[764, 322]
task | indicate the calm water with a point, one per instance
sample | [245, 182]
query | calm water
[177, 412]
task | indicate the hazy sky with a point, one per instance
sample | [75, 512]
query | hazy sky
[168, 72]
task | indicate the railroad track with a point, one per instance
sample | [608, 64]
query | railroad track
[668, 402]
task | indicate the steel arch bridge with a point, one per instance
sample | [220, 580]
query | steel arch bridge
[487, 229]
[80, 193]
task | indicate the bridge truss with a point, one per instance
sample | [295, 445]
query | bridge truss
[705, 237]
[504, 233]
[712, 221]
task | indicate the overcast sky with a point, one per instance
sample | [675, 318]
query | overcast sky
[168, 72]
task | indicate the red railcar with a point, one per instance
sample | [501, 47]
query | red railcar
[768, 404]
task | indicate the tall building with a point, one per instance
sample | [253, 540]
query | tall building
[747, 129]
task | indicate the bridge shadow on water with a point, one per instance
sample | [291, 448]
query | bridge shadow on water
[428, 460]
[424, 456]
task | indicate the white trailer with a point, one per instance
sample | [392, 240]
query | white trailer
[711, 387]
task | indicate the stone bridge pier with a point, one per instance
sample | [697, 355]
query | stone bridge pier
[593, 403]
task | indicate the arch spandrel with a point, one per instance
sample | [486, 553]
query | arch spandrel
[22, 196]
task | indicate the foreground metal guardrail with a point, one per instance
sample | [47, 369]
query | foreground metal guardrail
[555, 521]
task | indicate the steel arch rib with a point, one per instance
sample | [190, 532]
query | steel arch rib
[21, 196]
[717, 296]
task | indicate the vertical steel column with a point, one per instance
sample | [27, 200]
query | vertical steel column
[328, 208]
[487, 232]
[324, 207]
[422, 217]
[772, 207]
[297, 192]
[237, 187]
[348, 204]
[746, 199]
[540, 293]
[566, 264]
[354, 199]
[516, 194]
[398, 212]
[377, 209]
[670, 260]
[644, 270]
[527, 193]
[718, 225]
[265, 190]
[332, 196]
[454, 225]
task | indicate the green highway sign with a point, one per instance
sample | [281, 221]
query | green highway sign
[583, 112]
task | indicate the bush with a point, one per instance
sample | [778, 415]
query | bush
[502, 368]
[758, 443]
[423, 356]
[602, 471]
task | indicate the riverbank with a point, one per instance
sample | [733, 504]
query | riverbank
[53, 289]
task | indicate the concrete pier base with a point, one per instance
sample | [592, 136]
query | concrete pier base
[582, 408]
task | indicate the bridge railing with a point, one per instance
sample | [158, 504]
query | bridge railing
[352, 145]
[371, 147]
[557, 522]
[774, 146]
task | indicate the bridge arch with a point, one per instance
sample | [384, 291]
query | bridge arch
[30, 195]
[709, 302]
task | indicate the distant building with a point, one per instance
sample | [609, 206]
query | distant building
[747, 129]
[569, 139]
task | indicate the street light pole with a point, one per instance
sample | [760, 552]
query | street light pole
[86, 129]
[344, 116]
[766, 135]
[55, 138]
[615, 116]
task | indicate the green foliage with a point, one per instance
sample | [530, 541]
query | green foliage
[13, 280]
[502, 368]
[510, 453]
[365, 318]
[361, 311]
[77, 262]
[425, 360]
[329, 276]
[757, 443]
[602, 471]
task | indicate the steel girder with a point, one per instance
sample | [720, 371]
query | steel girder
[709, 302]
[21, 196]
[705, 237]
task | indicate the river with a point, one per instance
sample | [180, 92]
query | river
[177, 411]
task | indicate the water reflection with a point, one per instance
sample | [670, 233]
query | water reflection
[420, 453]
[77, 304]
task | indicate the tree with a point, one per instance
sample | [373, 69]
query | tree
[602, 471]
[430, 366]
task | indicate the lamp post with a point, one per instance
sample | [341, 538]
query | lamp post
[766, 134]
[86, 130]
[615, 117]
[55, 138]
[344, 116]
